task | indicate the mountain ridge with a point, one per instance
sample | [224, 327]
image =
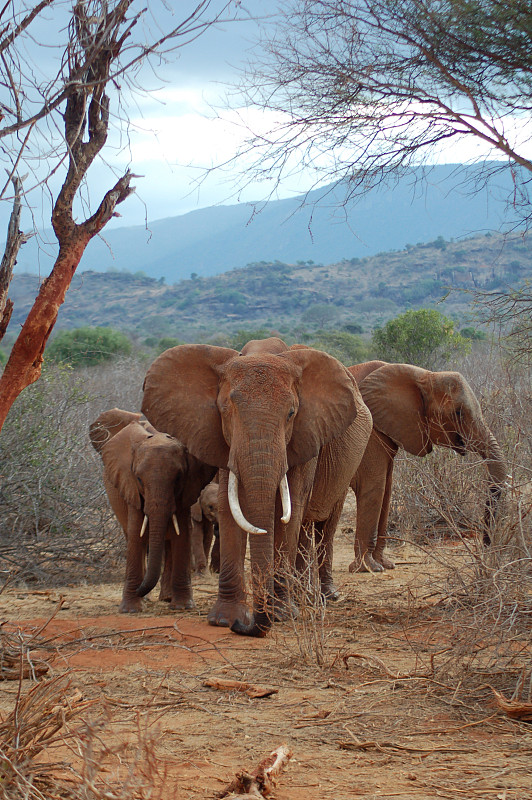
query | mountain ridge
[417, 208]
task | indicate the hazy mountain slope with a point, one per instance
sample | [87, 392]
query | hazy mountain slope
[281, 296]
[212, 240]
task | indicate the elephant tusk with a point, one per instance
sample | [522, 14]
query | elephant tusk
[285, 497]
[144, 526]
[236, 511]
[174, 520]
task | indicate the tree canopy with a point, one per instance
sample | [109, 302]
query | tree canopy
[424, 337]
[365, 89]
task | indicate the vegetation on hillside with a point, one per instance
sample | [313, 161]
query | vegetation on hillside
[353, 296]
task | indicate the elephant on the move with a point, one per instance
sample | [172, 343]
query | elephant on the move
[415, 409]
[204, 521]
[151, 482]
[262, 419]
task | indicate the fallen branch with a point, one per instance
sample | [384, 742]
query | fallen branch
[397, 676]
[515, 709]
[373, 745]
[261, 782]
[251, 689]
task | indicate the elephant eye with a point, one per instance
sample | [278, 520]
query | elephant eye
[291, 413]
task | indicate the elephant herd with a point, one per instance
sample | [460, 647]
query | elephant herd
[284, 431]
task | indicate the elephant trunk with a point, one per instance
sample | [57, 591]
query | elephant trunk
[259, 480]
[488, 448]
[158, 527]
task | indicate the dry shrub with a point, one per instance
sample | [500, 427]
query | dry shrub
[52, 747]
[305, 635]
[56, 523]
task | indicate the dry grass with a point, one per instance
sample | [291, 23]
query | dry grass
[52, 745]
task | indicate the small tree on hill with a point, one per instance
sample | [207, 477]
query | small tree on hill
[425, 338]
[88, 346]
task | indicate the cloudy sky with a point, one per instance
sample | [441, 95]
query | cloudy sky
[180, 127]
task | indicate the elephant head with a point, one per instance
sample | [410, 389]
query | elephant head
[256, 416]
[417, 409]
[145, 467]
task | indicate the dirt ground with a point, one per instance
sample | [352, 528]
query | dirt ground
[374, 720]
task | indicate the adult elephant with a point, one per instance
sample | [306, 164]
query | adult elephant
[151, 482]
[415, 409]
[262, 419]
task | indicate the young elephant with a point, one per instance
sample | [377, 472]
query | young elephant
[204, 521]
[151, 482]
[415, 409]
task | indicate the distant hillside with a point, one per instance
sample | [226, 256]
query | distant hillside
[355, 292]
[213, 240]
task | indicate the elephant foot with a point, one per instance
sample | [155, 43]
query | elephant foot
[365, 564]
[329, 591]
[165, 596]
[130, 605]
[182, 603]
[284, 609]
[224, 614]
[386, 562]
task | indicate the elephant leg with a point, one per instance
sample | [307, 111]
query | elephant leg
[324, 535]
[181, 581]
[208, 536]
[136, 549]
[199, 554]
[165, 593]
[214, 566]
[378, 553]
[369, 485]
[286, 538]
[231, 603]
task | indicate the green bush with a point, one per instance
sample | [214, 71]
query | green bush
[424, 337]
[88, 346]
[166, 342]
[346, 347]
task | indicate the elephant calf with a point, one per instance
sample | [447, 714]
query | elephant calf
[205, 533]
[151, 482]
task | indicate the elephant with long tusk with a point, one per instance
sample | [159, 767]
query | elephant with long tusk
[263, 417]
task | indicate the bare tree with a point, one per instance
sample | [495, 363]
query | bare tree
[106, 42]
[363, 90]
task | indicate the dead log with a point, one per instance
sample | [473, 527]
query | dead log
[251, 689]
[261, 782]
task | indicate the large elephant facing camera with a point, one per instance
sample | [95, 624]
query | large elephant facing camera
[151, 482]
[263, 420]
[415, 409]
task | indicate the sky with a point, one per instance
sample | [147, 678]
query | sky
[179, 128]
[175, 133]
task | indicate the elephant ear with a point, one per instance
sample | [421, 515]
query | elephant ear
[108, 424]
[328, 398]
[180, 392]
[196, 512]
[394, 395]
[117, 457]
[360, 371]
